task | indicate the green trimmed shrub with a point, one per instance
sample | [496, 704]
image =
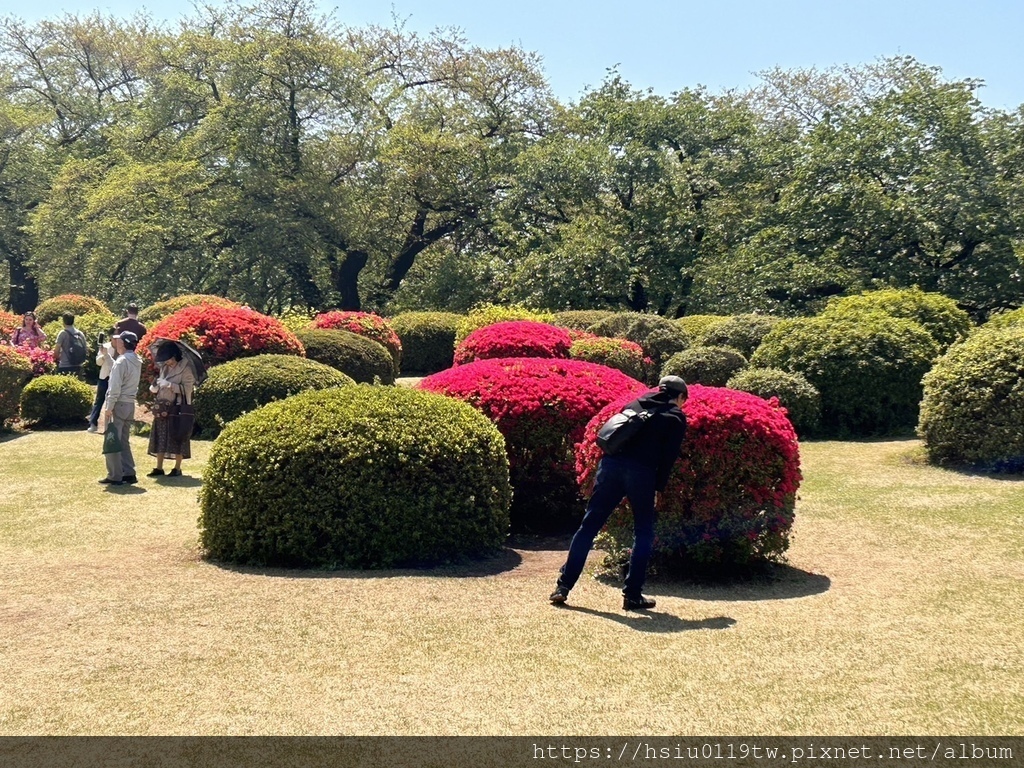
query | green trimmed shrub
[936, 313]
[660, 338]
[581, 319]
[156, 312]
[54, 400]
[794, 393]
[868, 368]
[240, 386]
[1006, 319]
[696, 325]
[489, 314]
[744, 333]
[53, 308]
[620, 354]
[428, 340]
[710, 366]
[92, 325]
[363, 359]
[15, 372]
[356, 477]
[973, 408]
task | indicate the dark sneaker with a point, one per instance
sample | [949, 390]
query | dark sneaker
[559, 596]
[174, 473]
[108, 481]
[155, 473]
[637, 603]
[130, 479]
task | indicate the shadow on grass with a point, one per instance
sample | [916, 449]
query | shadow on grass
[125, 490]
[506, 560]
[540, 543]
[181, 481]
[655, 621]
[770, 582]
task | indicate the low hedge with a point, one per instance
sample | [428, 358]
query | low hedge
[794, 393]
[620, 354]
[710, 366]
[365, 324]
[1006, 319]
[697, 325]
[660, 338]
[15, 373]
[55, 400]
[356, 477]
[973, 407]
[428, 340]
[363, 359]
[744, 333]
[581, 319]
[240, 386]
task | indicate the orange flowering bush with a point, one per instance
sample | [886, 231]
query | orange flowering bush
[731, 496]
[541, 406]
[514, 338]
[365, 324]
[9, 323]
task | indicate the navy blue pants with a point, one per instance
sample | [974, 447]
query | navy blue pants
[97, 405]
[617, 479]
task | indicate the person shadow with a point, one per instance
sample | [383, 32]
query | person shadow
[655, 621]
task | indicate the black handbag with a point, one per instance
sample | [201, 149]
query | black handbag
[183, 417]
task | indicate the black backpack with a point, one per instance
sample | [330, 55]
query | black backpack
[621, 428]
[77, 349]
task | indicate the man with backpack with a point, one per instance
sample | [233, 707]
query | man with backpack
[70, 348]
[637, 470]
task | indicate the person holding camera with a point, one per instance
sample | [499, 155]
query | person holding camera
[104, 359]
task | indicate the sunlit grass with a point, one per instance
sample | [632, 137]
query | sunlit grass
[899, 613]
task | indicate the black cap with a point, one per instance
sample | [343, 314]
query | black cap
[127, 337]
[673, 384]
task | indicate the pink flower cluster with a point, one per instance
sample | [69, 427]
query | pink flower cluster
[732, 493]
[514, 338]
[41, 359]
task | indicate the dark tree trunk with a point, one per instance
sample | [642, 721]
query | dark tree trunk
[417, 240]
[346, 278]
[24, 291]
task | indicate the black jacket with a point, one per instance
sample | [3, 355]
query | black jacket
[658, 442]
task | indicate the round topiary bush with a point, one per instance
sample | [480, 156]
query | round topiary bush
[489, 314]
[794, 393]
[731, 495]
[867, 368]
[221, 334]
[53, 308]
[744, 333]
[581, 319]
[697, 325]
[365, 324]
[92, 325]
[514, 338]
[937, 314]
[973, 408]
[541, 406]
[363, 359]
[56, 400]
[356, 477]
[1006, 319]
[240, 386]
[710, 366]
[161, 309]
[660, 338]
[620, 354]
[428, 340]
[15, 372]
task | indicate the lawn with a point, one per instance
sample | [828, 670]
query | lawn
[899, 612]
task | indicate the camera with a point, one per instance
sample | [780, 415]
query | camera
[102, 337]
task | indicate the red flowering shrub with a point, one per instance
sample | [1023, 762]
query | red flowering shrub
[514, 338]
[620, 354]
[731, 495]
[41, 359]
[365, 324]
[15, 371]
[9, 323]
[541, 406]
[53, 308]
[224, 333]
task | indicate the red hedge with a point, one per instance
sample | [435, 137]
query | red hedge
[731, 496]
[514, 338]
[224, 333]
[542, 407]
[365, 324]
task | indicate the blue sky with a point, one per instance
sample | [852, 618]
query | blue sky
[669, 45]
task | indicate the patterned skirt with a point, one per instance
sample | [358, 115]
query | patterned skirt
[161, 441]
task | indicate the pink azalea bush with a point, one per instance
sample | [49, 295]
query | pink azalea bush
[731, 496]
[541, 406]
[41, 359]
[365, 324]
[514, 338]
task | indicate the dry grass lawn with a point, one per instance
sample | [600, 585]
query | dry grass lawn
[899, 613]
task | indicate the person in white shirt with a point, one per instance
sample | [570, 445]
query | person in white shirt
[119, 407]
[105, 360]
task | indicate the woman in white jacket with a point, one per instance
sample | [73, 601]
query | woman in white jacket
[104, 359]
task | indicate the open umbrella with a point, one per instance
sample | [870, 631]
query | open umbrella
[188, 354]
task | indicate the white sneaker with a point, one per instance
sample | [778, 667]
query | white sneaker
[92, 429]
